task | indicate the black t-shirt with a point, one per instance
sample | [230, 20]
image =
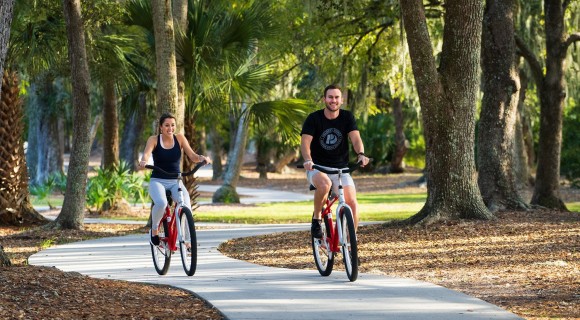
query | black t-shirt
[329, 145]
[166, 159]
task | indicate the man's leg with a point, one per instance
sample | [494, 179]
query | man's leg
[322, 184]
[350, 198]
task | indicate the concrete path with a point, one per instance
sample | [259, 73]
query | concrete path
[241, 290]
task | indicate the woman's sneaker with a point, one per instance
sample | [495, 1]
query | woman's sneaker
[315, 229]
[154, 239]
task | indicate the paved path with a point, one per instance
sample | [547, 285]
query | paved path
[241, 290]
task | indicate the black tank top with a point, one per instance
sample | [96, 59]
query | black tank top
[166, 159]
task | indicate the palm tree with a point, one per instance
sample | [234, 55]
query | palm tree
[15, 206]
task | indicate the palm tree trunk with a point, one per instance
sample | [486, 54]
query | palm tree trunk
[110, 126]
[6, 13]
[227, 192]
[165, 64]
[15, 206]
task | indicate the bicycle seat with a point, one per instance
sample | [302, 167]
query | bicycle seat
[169, 198]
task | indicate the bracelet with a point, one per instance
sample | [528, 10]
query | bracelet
[361, 153]
[305, 162]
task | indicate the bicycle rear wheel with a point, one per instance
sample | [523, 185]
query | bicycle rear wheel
[348, 246]
[161, 253]
[188, 247]
[323, 255]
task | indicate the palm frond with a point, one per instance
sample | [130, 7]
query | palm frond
[286, 116]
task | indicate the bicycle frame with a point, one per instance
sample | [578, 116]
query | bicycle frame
[336, 240]
[339, 236]
[174, 224]
[178, 223]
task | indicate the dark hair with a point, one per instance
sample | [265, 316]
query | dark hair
[164, 117]
[331, 87]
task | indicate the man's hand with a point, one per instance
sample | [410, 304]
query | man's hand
[308, 165]
[364, 160]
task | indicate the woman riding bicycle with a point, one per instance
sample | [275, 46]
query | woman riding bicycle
[166, 149]
[324, 142]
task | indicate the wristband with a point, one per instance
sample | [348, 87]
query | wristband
[361, 153]
[305, 162]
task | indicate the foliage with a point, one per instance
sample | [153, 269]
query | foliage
[54, 182]
[112, 185]
[570, 161]
[378, 134]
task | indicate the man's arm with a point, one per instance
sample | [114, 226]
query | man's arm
[358, 147]
[305, 141]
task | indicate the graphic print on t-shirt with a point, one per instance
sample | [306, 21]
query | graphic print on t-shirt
[330, 139]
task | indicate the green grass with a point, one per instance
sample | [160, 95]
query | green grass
[373, 207]
[573, 206]
[54, 200]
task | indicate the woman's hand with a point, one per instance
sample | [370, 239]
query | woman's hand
[202, 158]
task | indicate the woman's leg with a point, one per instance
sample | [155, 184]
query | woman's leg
[157, 194]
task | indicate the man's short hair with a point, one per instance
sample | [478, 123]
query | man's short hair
[331, 87]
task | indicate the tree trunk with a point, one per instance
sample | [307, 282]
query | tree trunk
[501, 85]
[552, 94]
[72, 214]
[189, 181]
[4, 259]
[216, 148]
[165, 64]
[6, 13]
[132, 141]
[48, 152]
[227, 192]
[447, 95]
[15, 207]
[284, 161]
[521, 157]
[110, 127]
[401, 143]
[180, 22]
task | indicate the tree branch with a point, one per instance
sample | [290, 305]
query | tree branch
[531, 59]
[565, 4]
[571, 39]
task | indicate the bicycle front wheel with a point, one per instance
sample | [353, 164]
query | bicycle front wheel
[348, 247]
[188, 245]
[161, 253]
[323, 255]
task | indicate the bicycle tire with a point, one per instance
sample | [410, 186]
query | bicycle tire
[161, 253]
[349, 247]
[188, 257]
[323, 255]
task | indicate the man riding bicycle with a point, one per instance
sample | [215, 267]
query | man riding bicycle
[324, 143]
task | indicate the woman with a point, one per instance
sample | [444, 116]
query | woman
[166, 149]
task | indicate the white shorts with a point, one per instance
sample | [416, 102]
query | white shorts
[346, 179]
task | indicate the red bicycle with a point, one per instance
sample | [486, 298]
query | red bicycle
[337, 237]
[176, 229]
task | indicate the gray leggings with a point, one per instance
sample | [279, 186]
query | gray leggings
[157, 189]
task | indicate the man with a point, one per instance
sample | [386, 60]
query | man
[324, 142]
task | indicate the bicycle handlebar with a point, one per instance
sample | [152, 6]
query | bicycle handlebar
[335, 171]
[174, 174]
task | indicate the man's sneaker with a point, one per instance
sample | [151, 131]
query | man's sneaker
[315, 229]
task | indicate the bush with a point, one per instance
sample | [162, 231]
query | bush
[110, 186]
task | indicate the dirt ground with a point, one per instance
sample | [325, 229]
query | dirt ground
[525, 262]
